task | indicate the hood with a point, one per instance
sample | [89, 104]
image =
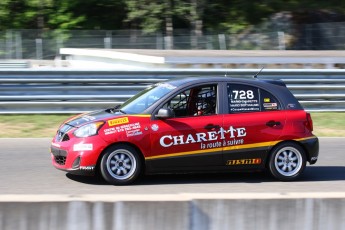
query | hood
[91, 116]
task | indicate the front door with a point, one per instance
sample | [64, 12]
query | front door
[190, 139]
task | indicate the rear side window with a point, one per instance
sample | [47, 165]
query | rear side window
[246, 99]
[268, 101]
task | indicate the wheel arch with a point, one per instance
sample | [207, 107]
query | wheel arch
[283, 142]
[141, 155]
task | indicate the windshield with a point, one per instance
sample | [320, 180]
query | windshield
[140, 102]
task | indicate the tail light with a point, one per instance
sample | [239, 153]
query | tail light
[309, 122]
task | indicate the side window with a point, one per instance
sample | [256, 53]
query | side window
[245, 99]
[197, 101]
[179, 104]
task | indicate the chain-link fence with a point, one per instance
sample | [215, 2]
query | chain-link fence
[45, 44]
[321, 36]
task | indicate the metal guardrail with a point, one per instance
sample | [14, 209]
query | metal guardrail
[14, 64]
[75, 91]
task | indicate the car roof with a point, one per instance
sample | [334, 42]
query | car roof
[251, 81]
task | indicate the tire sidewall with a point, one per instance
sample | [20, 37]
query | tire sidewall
[107, 175]
[272, 166]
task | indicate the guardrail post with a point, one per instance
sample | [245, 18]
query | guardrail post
[107, 43]
[108, 40]
[9, 44]
[59, 44]
[168, 40]
[209, 44]
[281, 40]
[19, 51]
[159, 41]
[39, 48]
[222, 41]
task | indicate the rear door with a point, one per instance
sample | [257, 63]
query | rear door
[253, 124]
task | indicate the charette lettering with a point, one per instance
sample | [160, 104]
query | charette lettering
[169, 140]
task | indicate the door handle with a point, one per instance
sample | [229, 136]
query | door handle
[272, 123]
[211, 126]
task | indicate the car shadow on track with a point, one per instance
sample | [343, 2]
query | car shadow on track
[92, 180]
[192, 178]
[312, 173]
[209, 178]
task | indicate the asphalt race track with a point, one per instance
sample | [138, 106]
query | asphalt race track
[25, 168]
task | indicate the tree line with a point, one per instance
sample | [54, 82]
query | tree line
[153, 15]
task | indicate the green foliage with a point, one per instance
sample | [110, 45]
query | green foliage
[99, 14]
[62, 17]
[15, 14]
[147, 14]
[150, 15]
[61, 14]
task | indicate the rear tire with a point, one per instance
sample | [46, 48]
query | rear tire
[287, 161]
[120, 165]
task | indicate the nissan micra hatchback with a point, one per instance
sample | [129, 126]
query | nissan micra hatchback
[191, 125]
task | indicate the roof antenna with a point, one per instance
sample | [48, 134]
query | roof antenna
[256, 75]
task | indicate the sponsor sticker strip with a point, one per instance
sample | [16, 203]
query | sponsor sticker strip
[133, 129]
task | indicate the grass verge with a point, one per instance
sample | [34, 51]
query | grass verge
[30, 125]
[11, 126]
[329, 124]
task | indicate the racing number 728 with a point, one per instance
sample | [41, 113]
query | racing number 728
[243, 94]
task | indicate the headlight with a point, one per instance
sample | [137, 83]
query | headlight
[89, 129]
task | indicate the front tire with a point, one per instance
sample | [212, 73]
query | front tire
[120, 165]
[287, 161]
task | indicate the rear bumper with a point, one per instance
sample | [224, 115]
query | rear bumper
[311, 145]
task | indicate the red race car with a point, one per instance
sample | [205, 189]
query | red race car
[191, 125]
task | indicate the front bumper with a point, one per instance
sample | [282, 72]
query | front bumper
[77, 155]
[59, 158]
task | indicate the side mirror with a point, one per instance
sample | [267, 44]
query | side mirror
[165, 113]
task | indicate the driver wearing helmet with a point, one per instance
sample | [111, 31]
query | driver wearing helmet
[206, 102]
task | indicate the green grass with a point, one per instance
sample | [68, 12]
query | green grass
[30, 125]
[325, 124]
[329, 124]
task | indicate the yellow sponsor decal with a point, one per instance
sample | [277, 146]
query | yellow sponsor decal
[118, 121]
[141, 115]
[267, 100]
[254, 161]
